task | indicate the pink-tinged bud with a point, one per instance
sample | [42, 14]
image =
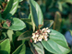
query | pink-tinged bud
[8, 22]
[31, 40]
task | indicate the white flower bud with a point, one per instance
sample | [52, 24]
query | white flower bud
[33, 34]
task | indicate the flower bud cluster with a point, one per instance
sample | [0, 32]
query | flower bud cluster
[39, 35]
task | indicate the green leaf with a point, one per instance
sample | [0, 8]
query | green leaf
[1, 19]
[49, 3]
[60, 6]
[36, 13]
[5, 47]
[20, 0]
[28, 23]
[10, 33]
[48, 23]
[20, 50]
[26, 20]
[69, 1]
[29, 17]
[32, 48]
[17, 24]
[10, 8]
[33, 25]
[28, 50]
[39, 48]
[57, 21]
[56, 44]
[25, 35]
[3, 36]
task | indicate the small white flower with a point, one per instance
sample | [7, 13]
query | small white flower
[46, 34]
[46, 39]
[35, 41]
[48, 31]
[47, 28]
[33, 37]
[36, 31]
[42, 36]
[8, 0]
[40, 39]
[33, 34]
[43, 29]
[36, 35]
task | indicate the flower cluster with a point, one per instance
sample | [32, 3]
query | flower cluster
[39, 35]
[8, 22]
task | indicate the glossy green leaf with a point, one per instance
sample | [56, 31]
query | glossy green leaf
[69, 1]
[39, 48]
[60, 6]
[25, 35]
[56, 44]
[33, 49]
[10, 33]
[29, 17]
[36, 13]
[20, 0]
[5, 47]
[10, 8]
[17, 24]
[33, 25]
[20, 50]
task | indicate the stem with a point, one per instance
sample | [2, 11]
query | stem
[71, 8]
